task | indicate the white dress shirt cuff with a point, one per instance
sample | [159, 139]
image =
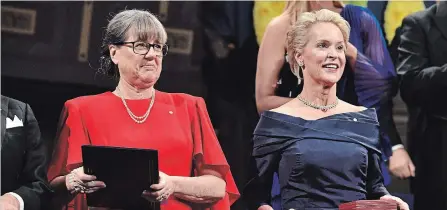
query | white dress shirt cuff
[397, 146]
[22, 204]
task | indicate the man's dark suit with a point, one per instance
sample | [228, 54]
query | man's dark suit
[23, 155]
[422, 62]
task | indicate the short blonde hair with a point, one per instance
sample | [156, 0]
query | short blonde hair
[297, 35]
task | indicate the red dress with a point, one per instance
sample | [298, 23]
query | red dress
[178, 126]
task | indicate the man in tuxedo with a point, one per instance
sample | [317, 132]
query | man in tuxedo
[422, 63]
[24, 184]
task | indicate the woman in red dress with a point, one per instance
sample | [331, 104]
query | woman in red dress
[194, 173]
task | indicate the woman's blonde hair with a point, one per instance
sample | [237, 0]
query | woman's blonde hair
[296, 7]
[297, 35]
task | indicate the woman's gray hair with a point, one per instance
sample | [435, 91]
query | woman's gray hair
[142, 24]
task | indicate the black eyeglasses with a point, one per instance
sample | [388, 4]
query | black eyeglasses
[142, 48]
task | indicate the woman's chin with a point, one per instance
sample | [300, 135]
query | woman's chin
[330, 81]
[148, 76]
[146, 82]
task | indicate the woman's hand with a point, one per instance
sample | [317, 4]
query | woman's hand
[162, 190]
[351, 51]
[400, 202]
[351, 55]
[77, 181]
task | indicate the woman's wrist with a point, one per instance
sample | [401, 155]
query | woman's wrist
[175, 182]
[69, 183]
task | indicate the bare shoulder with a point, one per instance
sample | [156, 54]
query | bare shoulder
[281, 109]
[278, 25]
[289, 108]
[347, 107]
[280, 21]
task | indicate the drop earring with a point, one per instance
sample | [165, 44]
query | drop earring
[300, 68]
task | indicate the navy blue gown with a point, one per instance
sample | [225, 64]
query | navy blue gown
[320, 163]
[373, 82]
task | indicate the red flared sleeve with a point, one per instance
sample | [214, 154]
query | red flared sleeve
[71, 135]
[209, 155]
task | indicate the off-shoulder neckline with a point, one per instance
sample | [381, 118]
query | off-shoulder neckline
[365, 111]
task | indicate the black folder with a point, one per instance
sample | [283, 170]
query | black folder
[127, 172]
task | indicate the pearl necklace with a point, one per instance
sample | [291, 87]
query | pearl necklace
[138, 119]
[322, 108]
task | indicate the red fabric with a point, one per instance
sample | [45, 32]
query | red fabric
[178, 127]
[369, 205]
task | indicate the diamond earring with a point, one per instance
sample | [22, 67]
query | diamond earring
[297, 74]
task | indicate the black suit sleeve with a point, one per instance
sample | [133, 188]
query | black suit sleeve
[34, 191]
[421, 84]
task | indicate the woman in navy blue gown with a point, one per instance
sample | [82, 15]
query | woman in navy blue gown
[325, 151]
[369, 79]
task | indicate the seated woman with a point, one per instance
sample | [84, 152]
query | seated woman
[325, 150]
[193, 169]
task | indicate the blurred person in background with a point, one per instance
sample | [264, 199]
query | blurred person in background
[229, 69]
[422, 64]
